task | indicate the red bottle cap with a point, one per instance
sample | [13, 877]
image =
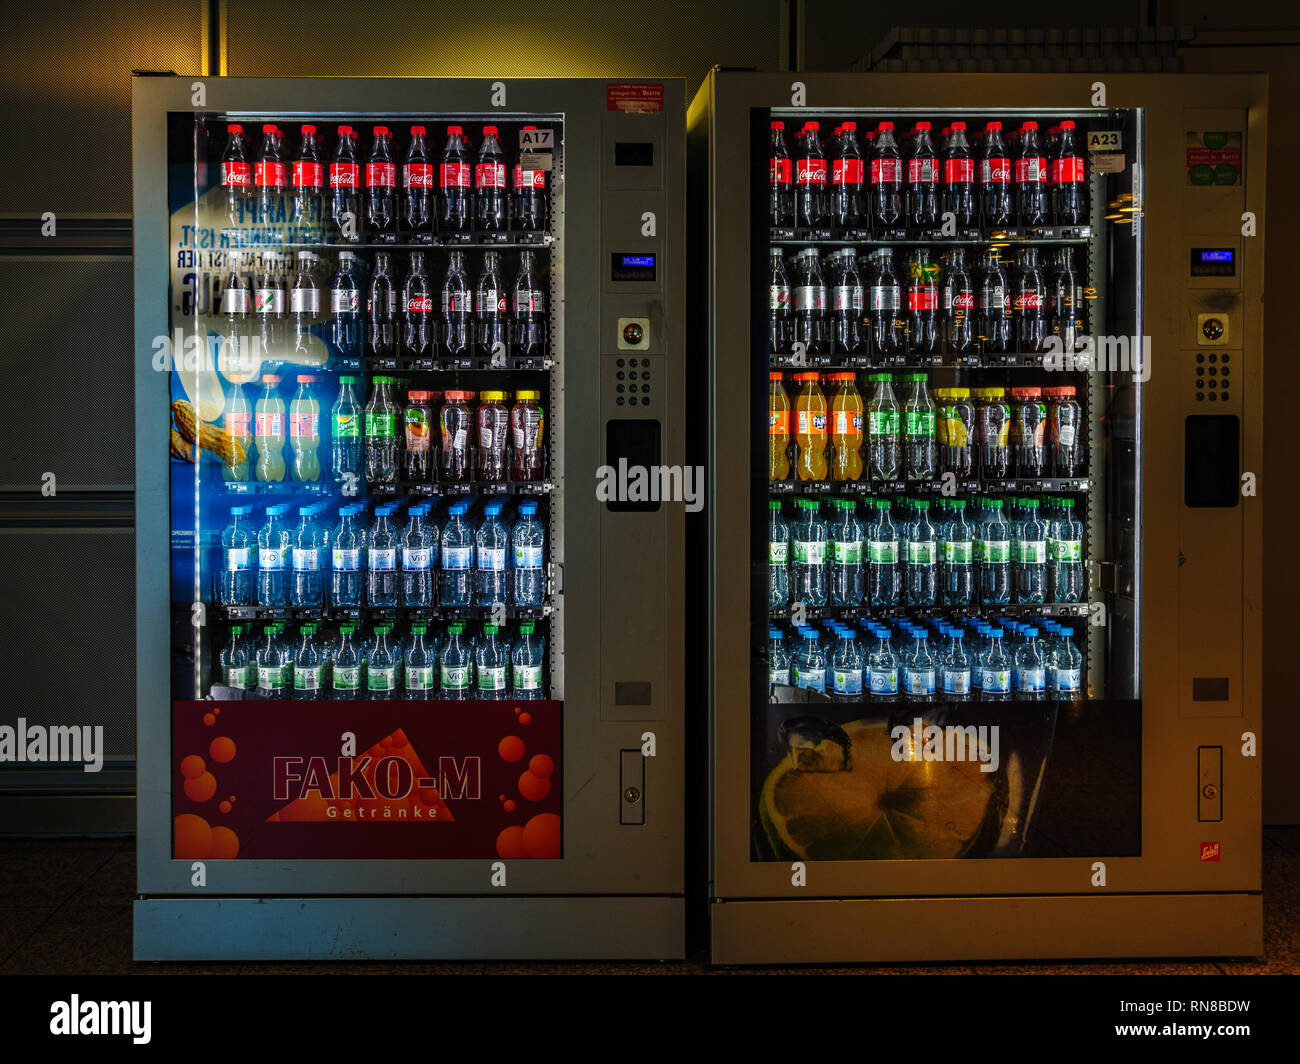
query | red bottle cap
[1030, 125]
[269, 129]
[454, 131]
[234, 127]
[530, 127]
[458, 396]
[489, 131]
[417, 397]
[923, 126]
[886, 127]
[849, 127]
[774, 375]
[959, 127]
[775, 125]
[813, 125]
[381, 131]
[989, 126]
[417, 131]
[345, 131]
[308, 131]
[1067, 124]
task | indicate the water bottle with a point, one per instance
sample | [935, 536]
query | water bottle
[778, 659]
[347, 559]
[956, 668]
[345, 680]
[529, 542]
[491, 663]
[420, 673]
[455, 579]
[922, 577]
[306, 587]
[492, 549]
[778, 556]
[1031, 556]
[958, 565]
[809, 565]
[846, 668]
[1066, 668]
[1067, 569]
[308, 666]
[1031, 669]
[883, 664]
[882, 558]
[457, 662]
[273, 546]
[995, 670]
[919, 679]
[419, 557]
[270, 668]
[994, 550]
[809, 668]
[344, 329]
[527, 662]
[233, 661]
[238, 580]
[381, 667]
[381, 558]
[848, 578]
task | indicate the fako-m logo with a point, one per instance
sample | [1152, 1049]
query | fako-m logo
[392, 778]
[1209, 851]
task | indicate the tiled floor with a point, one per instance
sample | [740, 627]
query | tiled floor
[65, 907]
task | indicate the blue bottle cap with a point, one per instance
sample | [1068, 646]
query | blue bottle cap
[306, 511]
[528, 507]
[239, 511]
[995, 633]
[492, 509]
[1031, 633]
[774, 632]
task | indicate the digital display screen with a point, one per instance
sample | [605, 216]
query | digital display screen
[1214, 262]
[638, 268]
[1217, 254]
[638, 260]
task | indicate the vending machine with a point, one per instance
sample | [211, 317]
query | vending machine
[983, 621]
[410, 670]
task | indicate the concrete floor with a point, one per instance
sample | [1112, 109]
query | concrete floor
[65, 908]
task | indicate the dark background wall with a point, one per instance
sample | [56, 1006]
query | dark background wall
[66, 592]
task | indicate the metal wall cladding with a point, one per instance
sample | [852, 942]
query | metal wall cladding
[65, 77]
[67, 371]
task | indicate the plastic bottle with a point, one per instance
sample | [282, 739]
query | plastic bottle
[455, 578]
[885, 305]
[381, 309]
[239, 427]
[491, 312]
[958, 326]
[1068, 179]
[492, 551]
[232, 662]
[381, 667]
[810, 324]
[994, 325]
[268, 430]
[307, 586]
[993, 431]
[347, 559]
[922, 318]
[993, 547]
[808, 669]
[808, 565]
[304, 302]
[420, 672]
[270, 179]
[1066, 668]
[345, 188]
[236, 175]
[1065, 303]
[920, 448]
[457, 310]
[1031, 556]
[885, 197]
[1031, 670]
[417, 326]
[492, 664]
[344, 329]
[491, 195]
[418, 187]
[529, 328]
[381, 187]
[958, 559]
[995, 670]
[810, 429]
[778, 659]
[273, 546]
[778, 428]
[383, 445]
[810, 179]
[345, 678]
[270, 669]
[382, 546]
[419, 554]
[778, 556]
[997, 210]
[345, 436]
[922, 182]
[919, 671]
[1063, 440]
[1068, 578]
[846, 668]
[271, 304]
[531, 200]
[847, 207]
[958, 194]
[1027, 437]
[1029, 316]
[308, 666]
[304, 432]
[527, 664]
[455, 180]
[780, 208]
[457, 662]
[883, 425]
[882, 558]
[492, 437]
[921, 571]
[307, 182]
[956, 666]
[883, 665]
[848, 576]
[846, 427]
[528, 540]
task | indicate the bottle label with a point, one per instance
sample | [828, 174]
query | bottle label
[454, 175]
[809, 679]
[492, 678]
[847, 297]
[528, 557]
[345, 300]
[1066, 171]
[383, 559]
[237, 677]
[1032, 169]
[1033, 552]
[238, 559]
[236, 174]
[1034, 679]
[918, 422]
[884, 297]
[883, 422]
[273, 557]
[305, 559]
[810, 422]
[1066, 681]
[882, 551]
[530, 301]
[456, 302]
[270, 677]
[486, 301]
[490, 175]
[993, 298]
[269, 174]
[809, 297]
[415, 558]
[456, 557]
[958, 171]
[419, 677]
[418, 304]
[269, 301]
[347, 677]
[1065, 435]
[308, 174]
[920, 551]
[996, 551]
[778, 422]
[846, 681]
[846, 172]
[1069, 550]
[381, 175]
[345, 175]
[922, 297]
[235, 301]
[848, 423]
[775, 678]
[528, 677]
[531, 178]
[305, 301]
[922, 171]
[809, 552]
[884, 681]
[811, 172]
[886, 171]
[1027, 301]
[347, 425]
[492, 559]
[381, 679]
[957, 552]
[418, 175]
[918, 681]
[239, 423]
[995, 171]
[956, 681]
[995, 681]
[778, 552]
[381, 423]
[846, 553]
[307, 678]
[347, 560]
[302, 424]
[455, 677]
[960, 300]
[779, 171]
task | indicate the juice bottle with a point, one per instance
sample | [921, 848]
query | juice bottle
[778, 428]
[846, 427]
[810, 428]
[304, 431]
[268, 429]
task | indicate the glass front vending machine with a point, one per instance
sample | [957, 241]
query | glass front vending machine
[983, 629]
[409, 681]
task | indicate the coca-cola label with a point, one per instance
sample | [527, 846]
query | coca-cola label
[381, 175]
[1028, 301]
[308, 175]
[886, 171]
[345, 175]
[345, 300]
[846, 172]
[958, 171]
[419, 305]
[922, 171]
[1031, 169]
[811, 172]
[962, 300]
[779, 171]
[922, 297]
[237, 174]
[884, 297]
[847, 297]
[305, 300]
[269, 174]
[809, 297]
[418, 175]
[530, 302]
[455, 175]
[529, 178]
[1065, 171]
[778, 297]
[995, 171]
[490, 175]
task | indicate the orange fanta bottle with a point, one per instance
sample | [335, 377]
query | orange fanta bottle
[810, 428]
[778, 428]
[846, 427]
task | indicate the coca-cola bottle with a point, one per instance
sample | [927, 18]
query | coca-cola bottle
[780, 329]
[922, 182]
[1069, 190]
[1030, 179]
[1028, 305]
[528, 329]
[269, 178]
[886, 180]
[780, 200]
[381, 187]
[381, 309]
[810, 179]
[957, 297]
[344, 326]
[491, 198]
[810, 303]
[994, 305]
[884, 305]
[531, 199]
[847, 303]
[236, 174]
[345, 188]
[307, 181]
[959, 178]
[457, 310]
[492, 320]
[922, 302]
[996, 208]
[1065, 303]
[417, 310]
[455, 182]
[417, 187]
[847, 178]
